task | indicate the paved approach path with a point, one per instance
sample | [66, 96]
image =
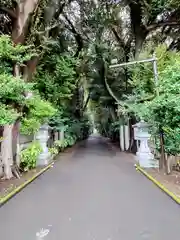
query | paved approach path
[94, 194]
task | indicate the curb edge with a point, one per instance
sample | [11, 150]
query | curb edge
[10, 195]
[158, 184]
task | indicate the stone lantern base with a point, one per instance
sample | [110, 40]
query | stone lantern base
[44, 159]
[146, 160]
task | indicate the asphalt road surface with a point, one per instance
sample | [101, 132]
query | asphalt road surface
[93, 194]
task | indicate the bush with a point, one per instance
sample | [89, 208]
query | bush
[67, 142]
[39, 111]
[163, 109]
[7, 115]
[53, 151]
[29, 156]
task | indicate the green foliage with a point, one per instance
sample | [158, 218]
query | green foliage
[39, 108]
[61, 144]
[29, 125]
[7, 115]
[12, 97]
[29, 156]
[60, 120]
[7, 3]
[57, 81]
[11, 54]
[163, 110]
[12, 89]
[39, 111]
[173, 4]
[154, 7]
[56, 78]
[53, 151]
[67, 142]
[74, 129]
[79, 128]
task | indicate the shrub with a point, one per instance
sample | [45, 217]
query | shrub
[29, 156]
[39, 111]
[53, 151]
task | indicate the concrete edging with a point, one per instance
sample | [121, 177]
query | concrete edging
[158, 184]
[10, 195]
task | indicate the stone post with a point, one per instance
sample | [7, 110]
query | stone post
[56, 135]
[1, 167]
[124, 137]
[42, 136]
[61, 137]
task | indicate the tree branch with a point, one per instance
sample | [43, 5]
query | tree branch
[77, 36]
[61, 8]
[119, 40]
[10, 12]
[162, 24]
[139, 30]
[108, 87]
[86, 103]
[49, 28]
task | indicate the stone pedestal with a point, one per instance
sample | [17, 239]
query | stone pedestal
[42, 136]
[144, 155]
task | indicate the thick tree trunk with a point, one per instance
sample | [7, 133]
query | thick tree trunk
[16, 143]
[162, 161]
[139, 30]
[139, 41]
[6, 150]
[30, 69]
[23, 10]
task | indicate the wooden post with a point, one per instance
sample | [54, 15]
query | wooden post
[155, 73]
[163, 161]
[120, 130]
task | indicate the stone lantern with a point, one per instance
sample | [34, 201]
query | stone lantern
[42, 136]
[144, 155]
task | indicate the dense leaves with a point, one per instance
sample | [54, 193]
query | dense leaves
[162, 110]
[39, 111]
[29, 156]
[11, 55]
[56, 78]
[14, 90]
